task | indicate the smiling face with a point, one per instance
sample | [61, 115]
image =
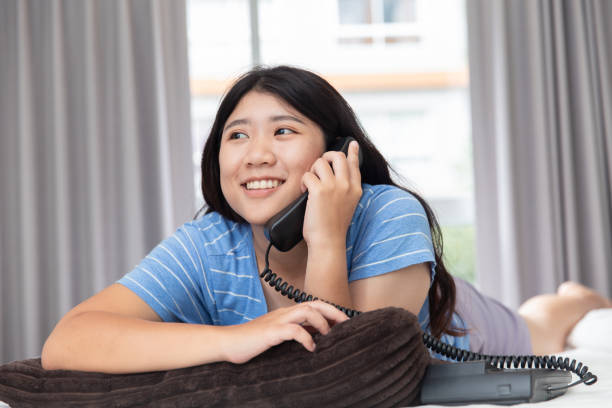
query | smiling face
[266, 147]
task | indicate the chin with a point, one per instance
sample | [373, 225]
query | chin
[257, 219]
[260, 213]
[260, 222]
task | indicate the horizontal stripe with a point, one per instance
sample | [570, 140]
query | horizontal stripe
[391, 259]
[391, 190]
[389, 239]
[406, 215]
[393, 201]
[220, 236]
[236, 312]
[150, 294]
[237, 295]
[210, 226]
[231, 273]
[231, 251]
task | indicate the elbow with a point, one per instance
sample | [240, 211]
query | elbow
[46, 357]
[55, 354]
[49, 358]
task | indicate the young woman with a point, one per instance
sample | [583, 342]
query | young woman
[368, 243]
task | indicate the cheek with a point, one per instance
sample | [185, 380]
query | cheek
[304, 163]
[303, 157]
[229, 161]
[225, 171]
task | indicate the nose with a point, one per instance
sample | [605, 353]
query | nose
[260, 152]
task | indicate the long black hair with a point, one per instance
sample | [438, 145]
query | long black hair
[316, 99]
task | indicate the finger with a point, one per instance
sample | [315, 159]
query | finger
[323, 170]
[299, 334]
[353, 162]
[339, 164]
[310, 182]
[331, 313]
[306, 314]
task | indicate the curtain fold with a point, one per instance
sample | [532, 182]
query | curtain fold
[541, 75]
[95, 151]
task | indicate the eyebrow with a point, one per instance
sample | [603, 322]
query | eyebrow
[277, 118]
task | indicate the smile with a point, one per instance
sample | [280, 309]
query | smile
[262, 184]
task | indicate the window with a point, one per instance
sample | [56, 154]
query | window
[377, 22]
[401, 64]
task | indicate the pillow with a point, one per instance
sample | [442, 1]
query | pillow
[375, 359]
[593, 331]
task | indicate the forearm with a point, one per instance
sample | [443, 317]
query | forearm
[112, 343]
[326, 275]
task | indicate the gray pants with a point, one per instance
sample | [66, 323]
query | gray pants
[493, 328]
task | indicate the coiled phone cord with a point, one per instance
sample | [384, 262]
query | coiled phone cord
[447, 350]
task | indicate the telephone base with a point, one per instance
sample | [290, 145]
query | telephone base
[478, 382]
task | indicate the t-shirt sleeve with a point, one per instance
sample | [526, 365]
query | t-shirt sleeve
[393, 233]
[171, 279]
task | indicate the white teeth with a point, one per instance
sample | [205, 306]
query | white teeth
[261, 184]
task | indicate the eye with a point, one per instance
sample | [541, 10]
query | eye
[237, 135]
[283, 131]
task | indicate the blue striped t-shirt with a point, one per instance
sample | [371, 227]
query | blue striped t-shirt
[206, 272]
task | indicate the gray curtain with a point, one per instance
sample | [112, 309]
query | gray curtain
[95, 151]
[541, 83]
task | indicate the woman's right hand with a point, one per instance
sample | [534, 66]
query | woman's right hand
[253, 338]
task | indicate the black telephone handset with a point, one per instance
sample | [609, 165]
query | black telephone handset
[284, 230]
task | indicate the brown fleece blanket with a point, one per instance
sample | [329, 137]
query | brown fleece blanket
[376, 359]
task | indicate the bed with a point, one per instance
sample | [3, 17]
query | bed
[589, 342]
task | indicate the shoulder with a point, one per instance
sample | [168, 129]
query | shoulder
[386, 212]
[389, 231]
[215, 233]
[385, 201]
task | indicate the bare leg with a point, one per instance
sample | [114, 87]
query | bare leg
[550, 318]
